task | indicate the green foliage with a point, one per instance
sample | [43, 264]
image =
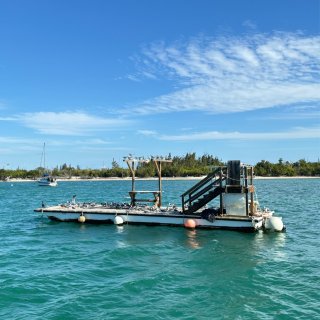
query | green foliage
[286, 168]
[115, 164]
[188, 165]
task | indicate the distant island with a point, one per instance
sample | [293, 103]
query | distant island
[188, 165]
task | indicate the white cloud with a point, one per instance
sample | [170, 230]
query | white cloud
[67, 123]
[18, 145]
[147, 132]
[133, 77]
[96, 141]
[297, 133]
[17, 140]
[37, 144]
[225, 75]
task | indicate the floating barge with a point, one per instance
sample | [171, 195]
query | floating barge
[231, 185]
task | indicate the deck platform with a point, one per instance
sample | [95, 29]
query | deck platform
[147, 216]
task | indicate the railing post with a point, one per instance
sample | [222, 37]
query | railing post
[252, 195]
[246, 186]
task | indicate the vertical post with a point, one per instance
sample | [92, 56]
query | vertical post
[246, 188]
[158, 167]
[133, 176]
[160, 185]
[221, 197]
[130, 164]
[252, 190]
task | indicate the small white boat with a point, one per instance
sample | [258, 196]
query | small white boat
[47, 180]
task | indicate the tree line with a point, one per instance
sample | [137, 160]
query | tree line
[289, 169]
[183, 166]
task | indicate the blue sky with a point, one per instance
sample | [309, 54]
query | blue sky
[96, 80]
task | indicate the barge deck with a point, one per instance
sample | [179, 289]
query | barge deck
[231, 184]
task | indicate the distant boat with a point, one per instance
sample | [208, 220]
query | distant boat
[46, 179]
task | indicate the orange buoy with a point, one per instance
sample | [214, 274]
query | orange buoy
[190, 223]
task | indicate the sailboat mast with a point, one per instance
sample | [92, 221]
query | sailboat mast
[44, 155]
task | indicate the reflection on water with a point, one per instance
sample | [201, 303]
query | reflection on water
[119, 228]
[192, 239]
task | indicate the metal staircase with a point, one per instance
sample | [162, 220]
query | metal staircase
[204, 191]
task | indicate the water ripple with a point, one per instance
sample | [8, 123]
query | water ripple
[69, 271]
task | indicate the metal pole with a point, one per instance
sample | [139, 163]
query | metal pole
[252, 190]
[160, 185]
[221, 197]
[246, 185]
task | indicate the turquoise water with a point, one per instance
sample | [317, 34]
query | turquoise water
[52, 270]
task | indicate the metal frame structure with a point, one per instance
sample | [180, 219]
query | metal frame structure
[157, 194]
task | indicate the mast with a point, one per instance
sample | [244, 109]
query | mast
[44, 156]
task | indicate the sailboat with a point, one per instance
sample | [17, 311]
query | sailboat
[46, 179]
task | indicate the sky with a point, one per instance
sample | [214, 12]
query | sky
[96, 80]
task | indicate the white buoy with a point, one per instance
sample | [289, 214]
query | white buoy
[82, 219]
[118, 220]
[273, 224]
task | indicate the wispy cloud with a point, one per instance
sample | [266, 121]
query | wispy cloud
[230, 74]
[147, 132]
[297, 115]
[13, 145]
[67, 123]
[17, 140]
[18, 145]
[297, 133]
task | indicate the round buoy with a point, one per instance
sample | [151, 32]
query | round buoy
[82, 219]
[190, 223]
[118, 220]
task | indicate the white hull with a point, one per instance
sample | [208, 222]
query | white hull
[168, 218]
[232, 183]
[47, 183]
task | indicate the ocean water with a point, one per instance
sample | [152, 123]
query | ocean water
[54, 270]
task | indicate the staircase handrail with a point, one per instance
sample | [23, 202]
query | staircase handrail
[200, 183]
[204, 200]
[202, 191]
[203, 186]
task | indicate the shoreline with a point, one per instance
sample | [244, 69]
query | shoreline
[73, 179]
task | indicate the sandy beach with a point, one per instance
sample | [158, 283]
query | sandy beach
[72, 179]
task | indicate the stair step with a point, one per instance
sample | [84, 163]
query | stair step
[199, 203]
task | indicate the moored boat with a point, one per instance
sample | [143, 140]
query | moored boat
[46, 180]
[231, 186]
